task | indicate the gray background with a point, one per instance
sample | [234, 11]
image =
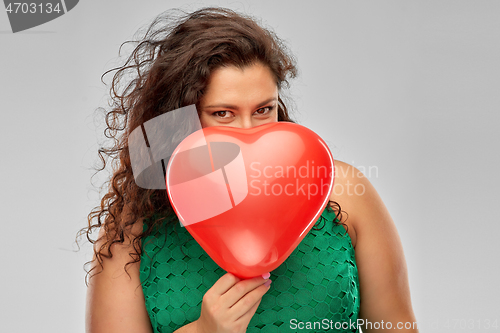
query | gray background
[409, 88]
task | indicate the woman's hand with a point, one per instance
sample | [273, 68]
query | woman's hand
[230, 304]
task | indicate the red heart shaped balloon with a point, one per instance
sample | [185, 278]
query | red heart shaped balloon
[249, 196]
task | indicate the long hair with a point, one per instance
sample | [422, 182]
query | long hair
[169, 68]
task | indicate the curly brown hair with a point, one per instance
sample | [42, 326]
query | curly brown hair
[170, 67]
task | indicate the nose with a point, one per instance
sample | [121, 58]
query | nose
[245, 122]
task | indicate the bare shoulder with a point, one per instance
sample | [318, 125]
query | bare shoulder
[115, 301]
[120, 251]
[353, 192]
[342, 187]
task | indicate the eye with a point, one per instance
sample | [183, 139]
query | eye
[265, 110]
[222, 114]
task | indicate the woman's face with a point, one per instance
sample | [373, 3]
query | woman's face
[240, 98]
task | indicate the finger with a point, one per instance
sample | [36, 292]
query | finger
[240, 289]
[248, 301]
[225, 283]
[247, 316]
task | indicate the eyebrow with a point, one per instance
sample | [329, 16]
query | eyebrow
[228, 106]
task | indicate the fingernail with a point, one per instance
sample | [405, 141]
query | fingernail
[267, 283]
[266, 276]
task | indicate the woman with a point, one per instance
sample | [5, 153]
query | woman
[149, 275]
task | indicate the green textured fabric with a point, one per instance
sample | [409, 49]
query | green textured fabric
[318, 284]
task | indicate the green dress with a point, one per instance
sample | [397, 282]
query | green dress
[315, 290]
